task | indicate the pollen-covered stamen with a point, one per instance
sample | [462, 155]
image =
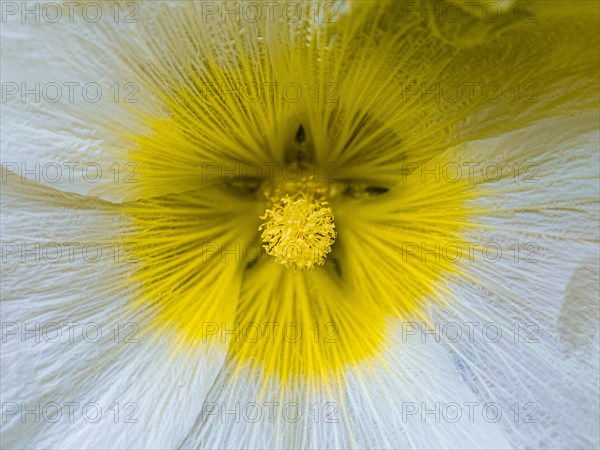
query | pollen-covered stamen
[299, 231]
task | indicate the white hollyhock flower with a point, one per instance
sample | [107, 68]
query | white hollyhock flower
[300, 225]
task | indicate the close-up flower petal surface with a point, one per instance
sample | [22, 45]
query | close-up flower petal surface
[293, 225]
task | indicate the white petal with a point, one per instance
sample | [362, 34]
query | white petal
[69, 100]
[378, 406]
[543, 299]
[156, 386]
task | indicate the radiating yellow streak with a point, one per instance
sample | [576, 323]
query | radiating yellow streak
[370, 133]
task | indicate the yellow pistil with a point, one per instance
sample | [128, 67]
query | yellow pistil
[299, 232]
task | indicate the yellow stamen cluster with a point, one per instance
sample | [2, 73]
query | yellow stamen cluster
[299, 232]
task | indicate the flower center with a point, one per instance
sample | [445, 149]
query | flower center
[299, 228]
